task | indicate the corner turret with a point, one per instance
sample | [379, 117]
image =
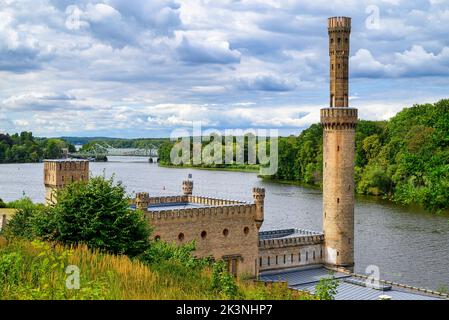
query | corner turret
[259, 198]
[187, 187]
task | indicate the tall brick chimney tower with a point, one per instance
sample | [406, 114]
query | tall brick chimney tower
[339, 122]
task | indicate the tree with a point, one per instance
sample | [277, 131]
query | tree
[96, 213]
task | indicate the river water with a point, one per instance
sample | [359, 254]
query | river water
[408, 244]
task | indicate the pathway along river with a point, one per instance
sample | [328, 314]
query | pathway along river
[407, 244]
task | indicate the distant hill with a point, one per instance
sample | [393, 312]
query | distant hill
[116, 142]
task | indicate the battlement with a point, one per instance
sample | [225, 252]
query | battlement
[339, 118]
[339, 24]
[230, 210]
[289, 238]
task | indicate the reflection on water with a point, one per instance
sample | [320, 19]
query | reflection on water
[409, 245]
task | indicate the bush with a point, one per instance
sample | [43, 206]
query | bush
[96, 213]
[223, 282]
[326, 289]
[22, 223]
[160, 251]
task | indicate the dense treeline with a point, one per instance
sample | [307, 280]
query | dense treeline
[405, 159]
[24, 147]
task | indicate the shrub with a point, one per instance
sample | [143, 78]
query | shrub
[326, 289]
[223, 282]
[98, 214]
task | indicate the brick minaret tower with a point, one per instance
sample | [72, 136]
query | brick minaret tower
[339, 123]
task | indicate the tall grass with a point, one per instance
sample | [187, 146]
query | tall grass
[36, 270]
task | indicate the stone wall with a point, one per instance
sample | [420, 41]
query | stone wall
[290, 252]
[59, 173]
[225, 229]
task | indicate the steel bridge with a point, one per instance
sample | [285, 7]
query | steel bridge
[107, 150]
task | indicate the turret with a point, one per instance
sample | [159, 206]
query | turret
[259, 198]
[187, 187]
[59, 173]
[142, 201]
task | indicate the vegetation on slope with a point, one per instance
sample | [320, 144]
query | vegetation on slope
[93, 230]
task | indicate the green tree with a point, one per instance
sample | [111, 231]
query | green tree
[98, 214]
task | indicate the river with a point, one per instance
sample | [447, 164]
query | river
[408, 244]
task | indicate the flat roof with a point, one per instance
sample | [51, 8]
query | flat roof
[349, 288]
[287, 233]
[176, 205]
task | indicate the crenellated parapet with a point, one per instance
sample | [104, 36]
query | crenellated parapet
[339, 118]
[242, 209]
[338, 24]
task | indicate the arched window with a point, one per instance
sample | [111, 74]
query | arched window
[225, 232]
[203, 235]
[181, 237]
[246, 230]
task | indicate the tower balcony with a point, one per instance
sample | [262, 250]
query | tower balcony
[339, 118]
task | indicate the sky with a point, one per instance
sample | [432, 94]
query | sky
[145, 68]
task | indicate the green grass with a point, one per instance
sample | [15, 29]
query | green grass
[36, 270]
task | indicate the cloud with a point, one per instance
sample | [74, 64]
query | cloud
[134, 68]
[265, 83]
[207, 51]
[416, 62]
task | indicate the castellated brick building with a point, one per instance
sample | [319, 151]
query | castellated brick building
[59, 173]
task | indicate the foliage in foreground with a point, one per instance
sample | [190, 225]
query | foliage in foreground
[95, 213]
[37, 270]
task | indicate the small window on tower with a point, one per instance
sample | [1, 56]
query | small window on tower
[338, 40]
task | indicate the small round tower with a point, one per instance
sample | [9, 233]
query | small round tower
[142, 201]
[259, 198]
[187, 187]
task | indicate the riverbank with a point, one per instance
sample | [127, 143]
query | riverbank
[253, 169]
